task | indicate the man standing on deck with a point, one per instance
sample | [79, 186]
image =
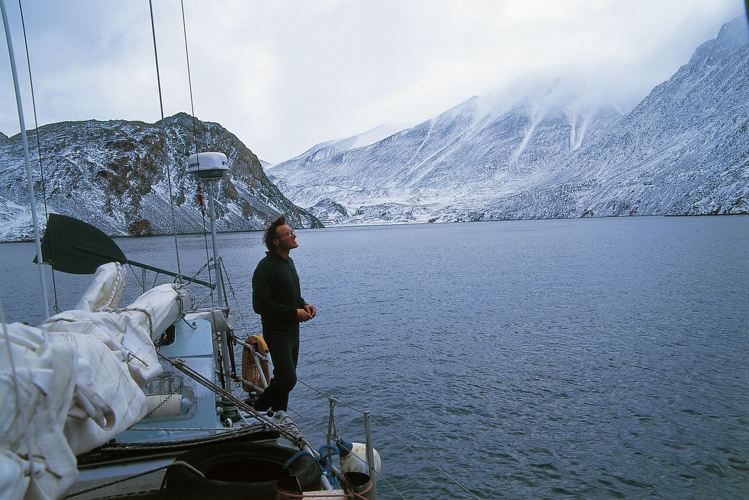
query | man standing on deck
[277, 298]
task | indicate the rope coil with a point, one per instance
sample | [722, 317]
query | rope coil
[294, 458]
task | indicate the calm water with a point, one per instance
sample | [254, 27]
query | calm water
[596, 358]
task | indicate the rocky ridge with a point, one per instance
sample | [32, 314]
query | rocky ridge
[114, 175]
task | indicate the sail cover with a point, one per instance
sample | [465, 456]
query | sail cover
[74, 382]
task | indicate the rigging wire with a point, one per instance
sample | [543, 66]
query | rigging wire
[207, 253]
[56, 305]
[197, 149]
[189, 80]
[163, 131]
[166, 150]
[24, 142]
[238, 310]
[166, 155]
[219, 264]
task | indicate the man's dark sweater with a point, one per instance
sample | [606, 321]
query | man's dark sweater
[276, 294]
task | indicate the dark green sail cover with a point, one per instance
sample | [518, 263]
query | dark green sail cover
[74, 247]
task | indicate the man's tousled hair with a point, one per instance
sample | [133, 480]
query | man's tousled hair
[270, 232]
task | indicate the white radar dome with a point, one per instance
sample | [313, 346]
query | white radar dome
[208, 165]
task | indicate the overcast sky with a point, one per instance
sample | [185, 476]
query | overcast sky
[286, 75]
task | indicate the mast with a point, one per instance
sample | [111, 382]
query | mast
[29, 182]
[210, 167]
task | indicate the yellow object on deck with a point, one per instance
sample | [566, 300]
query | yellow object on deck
[250, 370]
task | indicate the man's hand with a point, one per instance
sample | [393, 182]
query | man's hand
[306, 314]
[310, 309]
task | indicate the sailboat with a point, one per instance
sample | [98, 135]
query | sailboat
[137, 401]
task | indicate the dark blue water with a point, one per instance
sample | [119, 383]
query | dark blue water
[595, 358]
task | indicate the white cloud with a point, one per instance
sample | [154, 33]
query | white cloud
[284, 75]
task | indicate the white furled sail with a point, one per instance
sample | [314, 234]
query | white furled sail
[75, 382]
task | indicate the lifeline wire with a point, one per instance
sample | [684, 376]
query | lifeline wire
[311, 424]
[400, 440]
[356, 456]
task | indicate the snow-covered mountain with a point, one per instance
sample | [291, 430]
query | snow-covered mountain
[552, 153]
[684, 150]
[113, 175]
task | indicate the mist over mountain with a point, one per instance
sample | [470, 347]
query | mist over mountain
[114, 175]
[684, 150]
[553, 152]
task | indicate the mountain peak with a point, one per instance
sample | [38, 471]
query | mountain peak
[732, 37]
[551, 147]
[113, 174]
